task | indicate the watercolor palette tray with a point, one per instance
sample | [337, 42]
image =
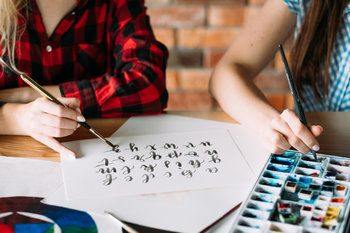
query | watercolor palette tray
[297, 194]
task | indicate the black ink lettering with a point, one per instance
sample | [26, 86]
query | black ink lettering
[139, 158]
[170, 145]
[107, 170]
[215, 159]
[119, 159]
[179, 165]
[116, 148]
[167, 163]
[188, 173]
[212, 170]
[192, 154]
[126, 170]
[168, 174]
[190, 145]
[195, 163]
[147, 178]
[155, 156]
[213, 152]
[104, 162]
[128, 178]
[206, 143]
[108, 180]
[133, 147]
[174, 154]
[152, 147]
[149, 168]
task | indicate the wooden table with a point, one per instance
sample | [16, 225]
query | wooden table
[334, 140]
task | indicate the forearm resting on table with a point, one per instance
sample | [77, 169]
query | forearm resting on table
[25, 94]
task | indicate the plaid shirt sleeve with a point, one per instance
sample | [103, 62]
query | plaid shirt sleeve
[136, 82]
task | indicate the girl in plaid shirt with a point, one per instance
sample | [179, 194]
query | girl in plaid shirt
[319, 62]
[99, 56]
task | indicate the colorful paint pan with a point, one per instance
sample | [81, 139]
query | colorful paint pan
[319, 210]
[316, 221]
[327, 191]
[304, 182]
[295, 193]
[340, 190]
[290, 186]
[330, 221]
[284, 207]
[315, 187]
[342, 177]
[311, 165]
[339, 169]
[278, 227]
[244, 229]
[307, 172]
[253, 223]
[279, 167]
[305, 194]
[271, 182]
[257, 205]
[282, 160]
[267, 190]
[323, 200]
[309, 157]
[264, 197]
[329, 183]
[275, 175]
[290, 218]
[293, 178]
[256, 214]
[331, 175]
[306, 210]
[340, 162]
[290, 154]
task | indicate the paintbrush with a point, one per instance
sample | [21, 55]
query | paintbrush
[50, 97]
[299, 107]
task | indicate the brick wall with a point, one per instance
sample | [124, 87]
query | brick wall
[197, 33]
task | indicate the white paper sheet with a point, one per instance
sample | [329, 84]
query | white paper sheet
[154, 164]
[28, 177]
[190, 211]
[254, 153]
[248, 143]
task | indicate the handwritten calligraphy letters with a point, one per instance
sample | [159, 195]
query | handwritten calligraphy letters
[151, 164]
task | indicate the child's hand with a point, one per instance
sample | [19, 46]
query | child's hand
[45, 120]
[287, 130]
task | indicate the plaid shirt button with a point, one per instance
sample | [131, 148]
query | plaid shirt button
[49, 48]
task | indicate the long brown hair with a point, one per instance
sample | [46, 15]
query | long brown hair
[9, 31]
[313, 47]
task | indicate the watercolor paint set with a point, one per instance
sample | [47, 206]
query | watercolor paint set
[297, 194]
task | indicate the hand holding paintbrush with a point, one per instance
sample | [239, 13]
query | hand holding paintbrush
[297, 102]
[45, 121]
[49, 117]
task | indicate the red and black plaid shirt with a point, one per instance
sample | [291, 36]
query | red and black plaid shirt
[103, 53]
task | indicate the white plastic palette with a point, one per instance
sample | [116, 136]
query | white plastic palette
[297, 194]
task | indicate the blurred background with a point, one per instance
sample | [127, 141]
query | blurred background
[197, 33]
